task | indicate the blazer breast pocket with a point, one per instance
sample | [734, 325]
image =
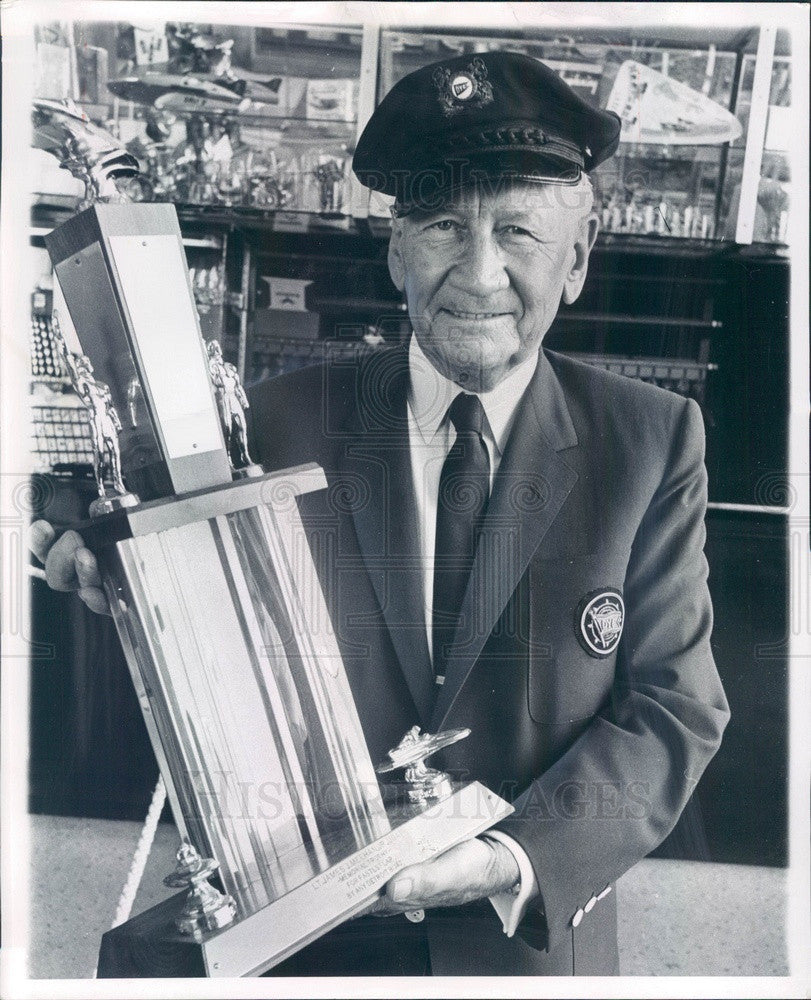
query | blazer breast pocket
[577, 616]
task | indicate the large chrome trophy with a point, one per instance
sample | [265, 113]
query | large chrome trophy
[219, 608]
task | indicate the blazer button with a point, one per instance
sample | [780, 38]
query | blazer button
[577, 918]
[604, 893]
[591, 904]
[415, 916]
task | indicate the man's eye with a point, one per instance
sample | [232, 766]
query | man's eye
[517, 231]
[444, 225]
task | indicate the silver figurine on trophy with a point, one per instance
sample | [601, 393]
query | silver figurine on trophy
[105, 427]
[422, 783]
[231, 405]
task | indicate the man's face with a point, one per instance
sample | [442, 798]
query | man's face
[484, 276]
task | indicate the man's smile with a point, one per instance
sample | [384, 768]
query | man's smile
[459, 314]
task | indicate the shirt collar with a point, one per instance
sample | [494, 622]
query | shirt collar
[430, 395]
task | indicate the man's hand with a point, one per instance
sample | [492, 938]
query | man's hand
[69, 565]
[474, 869]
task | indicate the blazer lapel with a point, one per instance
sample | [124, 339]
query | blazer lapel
[532, 484]
[377, 459]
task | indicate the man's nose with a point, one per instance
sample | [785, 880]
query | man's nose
[480, 267]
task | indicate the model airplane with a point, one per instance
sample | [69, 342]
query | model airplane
[199, 78]
[175, 93]
[656, 108]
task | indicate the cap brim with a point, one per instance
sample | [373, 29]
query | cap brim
[492, 171]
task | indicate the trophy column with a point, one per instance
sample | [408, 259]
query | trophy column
[219, 607]
[222, 620]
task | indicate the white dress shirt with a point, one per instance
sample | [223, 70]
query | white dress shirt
[431, 436]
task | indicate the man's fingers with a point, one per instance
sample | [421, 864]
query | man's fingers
[411, 883]
[95, 599]
[87, 573]
[60, 564]
[377, 908]
[422, 882]
[69, 565]
[41, 537]
[87, 569]
[454, 874]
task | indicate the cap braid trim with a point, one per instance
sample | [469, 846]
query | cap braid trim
[511, 137]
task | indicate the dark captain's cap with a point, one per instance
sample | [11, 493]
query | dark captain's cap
[486, 115]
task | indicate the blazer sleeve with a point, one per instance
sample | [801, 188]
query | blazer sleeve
[624, 782]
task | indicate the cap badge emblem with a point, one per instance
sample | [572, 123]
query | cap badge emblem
[598, 622]
[464, 88]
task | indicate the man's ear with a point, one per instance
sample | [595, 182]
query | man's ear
[396, 265]
[583, 243]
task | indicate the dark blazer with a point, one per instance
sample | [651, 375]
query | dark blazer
[601, 490]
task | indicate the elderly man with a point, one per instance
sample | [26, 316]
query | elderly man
[517, 538]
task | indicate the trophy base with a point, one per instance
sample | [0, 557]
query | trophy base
[150, 945]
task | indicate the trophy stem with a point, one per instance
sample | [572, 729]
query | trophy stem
[118, 501]
[422, 784]
[426, 784]
[248, 471]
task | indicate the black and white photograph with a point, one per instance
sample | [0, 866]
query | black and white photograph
[404, 499]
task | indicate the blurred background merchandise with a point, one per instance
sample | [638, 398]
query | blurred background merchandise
[260, 118]
[207, 130]
[674, 189]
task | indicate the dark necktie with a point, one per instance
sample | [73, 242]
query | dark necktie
[464, 488]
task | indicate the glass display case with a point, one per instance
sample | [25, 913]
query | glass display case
[249, 130]
[217, 115]
[264, 119]
[669, 187]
